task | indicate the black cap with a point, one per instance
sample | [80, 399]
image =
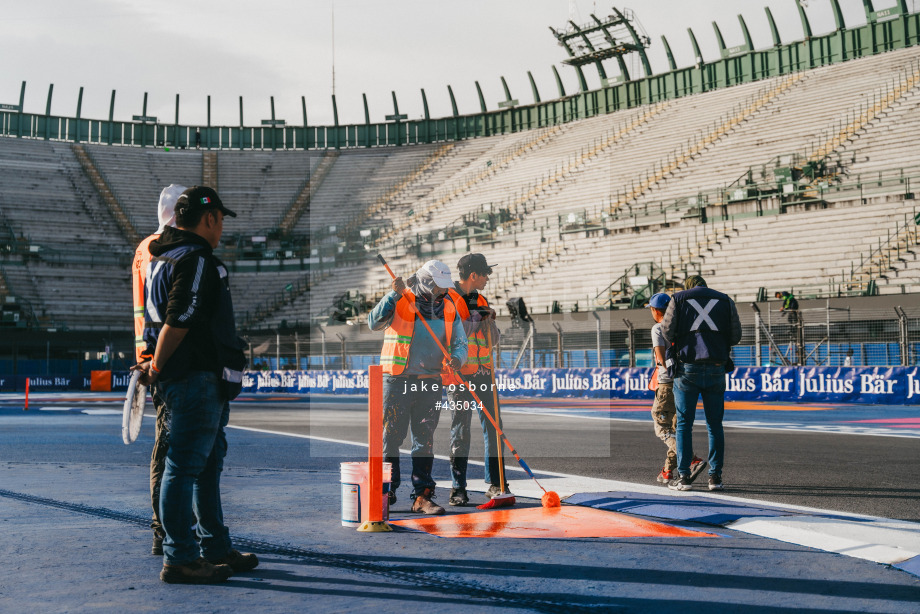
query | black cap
[201, 198]
[473, 263]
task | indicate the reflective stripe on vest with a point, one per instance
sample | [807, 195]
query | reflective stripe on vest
[478, 352]
[138, 278]
[398, 336]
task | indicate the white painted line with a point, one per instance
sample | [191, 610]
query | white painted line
[882, 542]
[342, 441]
[589, 484]
[102, 412]
[842, 429]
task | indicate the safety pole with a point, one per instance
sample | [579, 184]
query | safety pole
[26, 408]
[375, 522]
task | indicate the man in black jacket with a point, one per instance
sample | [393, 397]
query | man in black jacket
[703, 324]
[197, 366]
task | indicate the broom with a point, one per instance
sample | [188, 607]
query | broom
[550, 498]
[503, 499]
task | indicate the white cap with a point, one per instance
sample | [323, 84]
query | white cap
[167, 207]
[439, 272]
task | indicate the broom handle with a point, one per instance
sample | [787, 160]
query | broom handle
[407, 293]
[498, 429]
[498, 418]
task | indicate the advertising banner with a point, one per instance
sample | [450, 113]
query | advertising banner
[873, 385]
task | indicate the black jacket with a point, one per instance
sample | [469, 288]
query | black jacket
[182, 290]
[703, 324]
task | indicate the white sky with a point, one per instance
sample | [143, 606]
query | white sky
[283, 48]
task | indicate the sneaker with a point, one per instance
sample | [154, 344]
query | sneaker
[391, 498]
[157, 547]
[495, 490]
[238, 561]
[682, 482]
[715, 482]
[196, 572]
[458, 496]
[424, 505]
[666, 476]
[696, 467]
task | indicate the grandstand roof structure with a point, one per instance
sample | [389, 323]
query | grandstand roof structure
[884, 30]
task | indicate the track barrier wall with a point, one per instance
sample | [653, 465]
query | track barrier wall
[870, 385]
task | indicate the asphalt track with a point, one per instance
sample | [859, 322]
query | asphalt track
[857, 473]
[73, 514]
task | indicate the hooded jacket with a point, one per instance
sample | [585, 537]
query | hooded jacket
[187, 287]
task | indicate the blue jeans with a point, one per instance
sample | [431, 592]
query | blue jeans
[418, 409]
[460, 431]
[191, 480]
[692, 382]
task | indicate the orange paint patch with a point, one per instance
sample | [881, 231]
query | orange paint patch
[558, 522]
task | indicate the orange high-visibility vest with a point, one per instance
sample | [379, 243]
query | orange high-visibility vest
[478, 354]
[398, 336]
[138, 279]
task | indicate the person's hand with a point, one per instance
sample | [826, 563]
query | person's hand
[399, 285]
[148, 375]
[455, 363]
[484, 313]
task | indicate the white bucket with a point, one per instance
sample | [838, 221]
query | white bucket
[355, 504]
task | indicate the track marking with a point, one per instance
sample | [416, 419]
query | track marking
[526, 487]
[882, 542]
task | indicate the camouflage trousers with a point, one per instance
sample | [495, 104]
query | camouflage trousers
[158, 458]
[664, 416]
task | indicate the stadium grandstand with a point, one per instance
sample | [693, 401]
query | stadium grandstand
[791, 168]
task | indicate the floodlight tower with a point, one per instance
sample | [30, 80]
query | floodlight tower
[614, 37]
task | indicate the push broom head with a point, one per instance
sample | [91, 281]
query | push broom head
[504, 500]
[550, 499]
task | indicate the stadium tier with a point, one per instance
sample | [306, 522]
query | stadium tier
[798, 181]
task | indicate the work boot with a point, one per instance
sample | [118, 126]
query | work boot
[157, 547]
[196, 572]
[238, 561]
[424, 504]
[391, 498]
[458, 496]
[495, 490]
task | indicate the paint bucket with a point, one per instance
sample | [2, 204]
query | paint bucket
[355, 493]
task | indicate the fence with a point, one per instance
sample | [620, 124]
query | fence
[833, 334]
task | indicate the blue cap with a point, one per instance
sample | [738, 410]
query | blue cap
[659, 301]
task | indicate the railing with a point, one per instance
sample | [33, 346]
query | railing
[879, 262]
[386, 195]
[721, 127]
[471, 178]
[649, 278]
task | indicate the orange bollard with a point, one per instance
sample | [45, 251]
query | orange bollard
[26, 408]
[375, 522]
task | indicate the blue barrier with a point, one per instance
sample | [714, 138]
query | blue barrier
[871, 385]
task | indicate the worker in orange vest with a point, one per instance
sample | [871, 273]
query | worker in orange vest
[477, 317]
[412, 364]
[167, 217]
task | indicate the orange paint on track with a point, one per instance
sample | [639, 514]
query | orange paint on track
[539, 522]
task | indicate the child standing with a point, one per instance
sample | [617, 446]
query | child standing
[664, 412]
